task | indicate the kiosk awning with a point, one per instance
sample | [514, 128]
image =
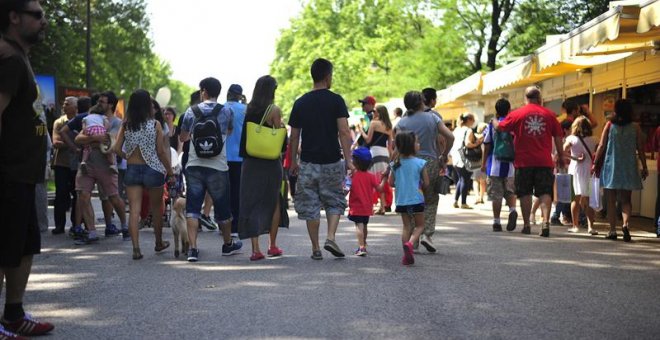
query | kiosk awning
[649, 16]
[470, 86]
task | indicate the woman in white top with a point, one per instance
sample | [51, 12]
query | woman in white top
[463, 135]
[581, 145]
[147, 167]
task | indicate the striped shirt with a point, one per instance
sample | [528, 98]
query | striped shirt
[494, 167]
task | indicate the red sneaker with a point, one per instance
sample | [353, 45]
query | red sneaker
[257, 257]
[7, 335]
[408, 257]
[27, 326]
[274, 251]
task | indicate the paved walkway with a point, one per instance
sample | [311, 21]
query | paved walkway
[479, 285]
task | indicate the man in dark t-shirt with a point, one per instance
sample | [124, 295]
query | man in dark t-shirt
[22, 160]
[320, 117]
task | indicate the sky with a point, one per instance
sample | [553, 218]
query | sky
[233, 41]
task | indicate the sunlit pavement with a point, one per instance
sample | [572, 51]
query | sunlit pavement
[480, 284]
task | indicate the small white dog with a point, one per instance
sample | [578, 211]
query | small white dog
[179, 227]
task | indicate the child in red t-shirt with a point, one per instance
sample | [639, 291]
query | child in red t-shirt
[360, 205]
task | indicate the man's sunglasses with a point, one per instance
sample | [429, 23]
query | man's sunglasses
[38, 15]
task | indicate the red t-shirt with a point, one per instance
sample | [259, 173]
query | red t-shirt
[533, 127]
[362, 189]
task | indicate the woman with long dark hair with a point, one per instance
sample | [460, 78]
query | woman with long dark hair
[146, 169]
[620, 143]
[261, 179]
[381, 143]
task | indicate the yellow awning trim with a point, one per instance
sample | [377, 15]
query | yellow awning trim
[508, 75]
[649, 16]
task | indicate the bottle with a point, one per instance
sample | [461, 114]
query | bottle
[347, 184]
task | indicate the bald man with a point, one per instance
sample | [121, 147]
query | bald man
[535, 128]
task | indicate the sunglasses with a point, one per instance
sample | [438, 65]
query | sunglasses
[38, 15]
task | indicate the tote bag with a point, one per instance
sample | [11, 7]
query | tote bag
[595, 199]
[264, 142]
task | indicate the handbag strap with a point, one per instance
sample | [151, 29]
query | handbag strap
[586, 148]
[266, 114]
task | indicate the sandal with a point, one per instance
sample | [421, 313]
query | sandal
[137, 254]
[161, 246]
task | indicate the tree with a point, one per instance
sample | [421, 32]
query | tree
[379, 48]
[121, 49]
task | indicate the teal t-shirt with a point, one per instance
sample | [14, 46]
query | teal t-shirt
[407, 180]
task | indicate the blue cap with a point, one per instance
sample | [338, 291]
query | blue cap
[236, 89]
[362, 153]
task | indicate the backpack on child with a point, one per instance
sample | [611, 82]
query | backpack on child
[502, 145]
[206, 133]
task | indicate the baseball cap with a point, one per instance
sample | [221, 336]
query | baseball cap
[368, 100]
[235, 89]
[362, 153]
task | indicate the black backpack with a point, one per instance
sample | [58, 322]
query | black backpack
[206, 134]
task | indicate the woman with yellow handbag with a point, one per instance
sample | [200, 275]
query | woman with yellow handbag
[262, 143]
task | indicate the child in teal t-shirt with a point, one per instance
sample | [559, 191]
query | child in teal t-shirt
[408, 176]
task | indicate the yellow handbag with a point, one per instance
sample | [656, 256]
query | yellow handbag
[262, 141]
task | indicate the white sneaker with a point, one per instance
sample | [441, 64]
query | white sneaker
[427, 243]
[573, 230]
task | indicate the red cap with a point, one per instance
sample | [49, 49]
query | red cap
[368, 100]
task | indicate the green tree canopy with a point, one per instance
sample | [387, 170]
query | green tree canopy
[379, 48]
[122, 56]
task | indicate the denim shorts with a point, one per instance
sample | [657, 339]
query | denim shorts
[144, 176]
[199, 180]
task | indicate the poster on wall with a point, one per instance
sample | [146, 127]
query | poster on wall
[47, 95]
[608, 104]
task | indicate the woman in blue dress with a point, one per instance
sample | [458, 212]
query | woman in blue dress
[621, 142]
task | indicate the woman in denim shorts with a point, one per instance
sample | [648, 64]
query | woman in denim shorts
[146, 168]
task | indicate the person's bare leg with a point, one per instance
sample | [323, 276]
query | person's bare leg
[546, 203]
[526, 208]
[611, 209]
[225, 227]
[313, 231]
[406, 219]
[535, 207]
[107, 211]
[255, 245]
[419, 228]
[85, 199]
[575, 210]
[359, 233]
[591, 215]
[120, 208]
[192, 224]
[626, 206]
[497, 208]
[156, 203]
[333, 223]
[208, 204]
[134, 194]
[17, 279]
[274, 225]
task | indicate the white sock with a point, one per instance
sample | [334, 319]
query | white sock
[512, 209]
[496, 220]
[92, 234]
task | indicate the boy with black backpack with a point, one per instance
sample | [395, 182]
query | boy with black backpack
[206, 125]
[497, 163]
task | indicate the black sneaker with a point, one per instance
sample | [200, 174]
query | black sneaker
[556, 222]
[317, 255]
[333, 248]
[57, 231]
[513, 219]
[232, 248]
[626, 235]
[526, 230]
[193, 255]
[111, 230]
[207, 222]
[76, 232]
[545, 231]
[497, 227]
[125, 235]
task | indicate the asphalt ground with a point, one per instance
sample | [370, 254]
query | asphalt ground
[479, 284]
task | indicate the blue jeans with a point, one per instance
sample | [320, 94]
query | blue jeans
[199, 180]
[144, 176]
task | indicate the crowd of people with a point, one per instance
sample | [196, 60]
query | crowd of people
[406, 161]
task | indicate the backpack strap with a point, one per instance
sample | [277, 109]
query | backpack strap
[196, 111]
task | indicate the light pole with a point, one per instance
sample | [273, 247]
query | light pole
[88, 57]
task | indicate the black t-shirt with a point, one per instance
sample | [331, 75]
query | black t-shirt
[316, 114]
[24, 133]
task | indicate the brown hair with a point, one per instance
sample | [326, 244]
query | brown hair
[384, 117]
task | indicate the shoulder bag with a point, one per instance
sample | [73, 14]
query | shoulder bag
[262, 141]
[471, 156]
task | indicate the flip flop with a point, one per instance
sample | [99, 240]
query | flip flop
[162, 246]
